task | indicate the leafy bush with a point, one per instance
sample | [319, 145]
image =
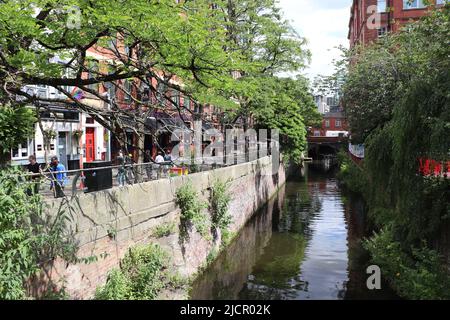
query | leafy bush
[192, 208]
[117, 287]
[164, 230]
[143, 274]
[220, 200]
[417, 273]
[29, 237]
[350, 175]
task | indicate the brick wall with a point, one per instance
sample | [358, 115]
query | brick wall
[133, 212]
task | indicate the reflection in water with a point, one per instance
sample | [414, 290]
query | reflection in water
[305, 244]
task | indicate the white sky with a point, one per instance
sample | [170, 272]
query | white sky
[324, 23]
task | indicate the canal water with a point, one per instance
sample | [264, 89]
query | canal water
[304, 244]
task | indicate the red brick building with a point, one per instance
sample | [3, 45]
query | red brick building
[370, 19]
[333, 124]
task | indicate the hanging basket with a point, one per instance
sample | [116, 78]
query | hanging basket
[77, 134]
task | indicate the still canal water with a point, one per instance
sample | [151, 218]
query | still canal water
[305, 244]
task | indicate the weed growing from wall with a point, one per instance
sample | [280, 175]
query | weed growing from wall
[164, 230]
[143, 274]
[188, 199]
[220, 201]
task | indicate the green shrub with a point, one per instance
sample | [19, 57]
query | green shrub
[192, 208]
[117, 287]
[220, 201]
[164, 230]
[351, 176]
[143, 274]
[29, 236]
[417, 273]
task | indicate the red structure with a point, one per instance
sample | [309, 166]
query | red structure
[333, 123]
[429, 167]
[366, 26]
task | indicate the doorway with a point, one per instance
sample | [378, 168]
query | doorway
[62, 148]
[90, 144]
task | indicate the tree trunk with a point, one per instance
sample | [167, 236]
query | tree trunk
[139, 177]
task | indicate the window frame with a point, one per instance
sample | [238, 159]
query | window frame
[384, 7]
[420, 5]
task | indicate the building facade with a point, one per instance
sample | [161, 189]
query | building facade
[75, 137]
[371, 19]
[334, 124]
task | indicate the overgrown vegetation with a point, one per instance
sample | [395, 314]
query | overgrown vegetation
[351, 175]
[192, 211]
[144, 272]
[415, 272]
[396, 98]
[219, 203]
[29, 237]
[164, 230]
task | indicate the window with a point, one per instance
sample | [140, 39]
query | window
[89, 120]
[93, 67]
[338, 123]
[162, 89]
[187, 102]
[381, 6]
[62, 115]
[327, 123]
[413, 4]
[23, 150]
[382, 31]
[316, 133]
[176, 98]
[127, 87]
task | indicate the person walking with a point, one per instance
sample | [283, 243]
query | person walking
[168, 156]
[35, 169]
[159, 160]
[58, 177]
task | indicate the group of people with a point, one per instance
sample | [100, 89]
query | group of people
[58, 175]
[125, 162]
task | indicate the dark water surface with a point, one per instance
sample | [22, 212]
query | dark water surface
[305, 244]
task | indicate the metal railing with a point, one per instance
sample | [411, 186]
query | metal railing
[72, 182]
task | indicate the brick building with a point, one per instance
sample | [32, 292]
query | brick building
[333, 125]
[366, 26]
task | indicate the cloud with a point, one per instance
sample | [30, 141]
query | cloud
[324, 24]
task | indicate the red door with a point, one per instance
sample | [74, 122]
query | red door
[90, 144]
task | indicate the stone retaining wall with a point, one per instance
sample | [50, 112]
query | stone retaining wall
[108, 223]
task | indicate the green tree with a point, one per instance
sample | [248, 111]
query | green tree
[29, 237]
[202, 46]
[285, 104]
[269, 44]
[16, 125]
[396, 96]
